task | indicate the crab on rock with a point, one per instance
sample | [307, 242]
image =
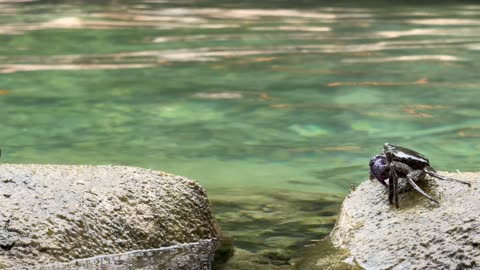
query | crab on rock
[398, 162]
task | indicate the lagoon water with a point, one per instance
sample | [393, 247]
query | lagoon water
[275, 107]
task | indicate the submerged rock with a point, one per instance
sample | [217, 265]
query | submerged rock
[419, 235]
[275, 224]
[58, 213]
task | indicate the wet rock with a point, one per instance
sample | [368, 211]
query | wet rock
[324, 256]
[191, 256]
[419, 235]
[58, 213]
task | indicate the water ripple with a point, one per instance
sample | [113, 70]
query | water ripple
[256, 14]
[446, 58]
[11, 68]
[445, 21]
[430, 32]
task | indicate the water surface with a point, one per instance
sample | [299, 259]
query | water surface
[274, 107]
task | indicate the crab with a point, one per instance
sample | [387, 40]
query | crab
[398, 162]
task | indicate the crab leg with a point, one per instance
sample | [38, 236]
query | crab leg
[390, 187]
[395, 167]
[395, 191]
[393, 185]
[441, 177]
[419, 190]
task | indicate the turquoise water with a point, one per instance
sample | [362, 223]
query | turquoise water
[250, 99]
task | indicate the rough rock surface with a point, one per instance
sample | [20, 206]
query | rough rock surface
[419, 235]
[57, 213]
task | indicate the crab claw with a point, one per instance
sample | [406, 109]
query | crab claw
[379, 169]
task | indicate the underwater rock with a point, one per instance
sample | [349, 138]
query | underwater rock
[419, 235]
[59, 213]
[246, 260]
[274, 224]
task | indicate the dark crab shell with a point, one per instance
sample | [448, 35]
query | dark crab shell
[407, 156]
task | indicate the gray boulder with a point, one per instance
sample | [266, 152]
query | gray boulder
[419, 235]
[58, 213]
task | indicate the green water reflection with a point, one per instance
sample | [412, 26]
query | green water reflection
[247, 98]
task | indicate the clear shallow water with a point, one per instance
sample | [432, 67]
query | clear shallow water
[247, 98]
